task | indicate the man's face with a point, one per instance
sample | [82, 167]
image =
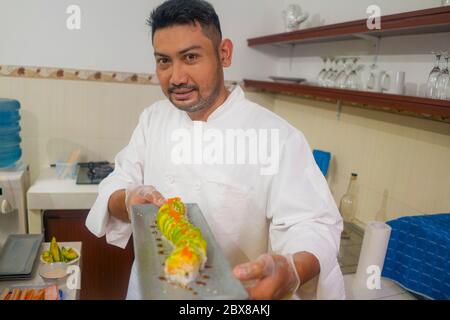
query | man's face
[188, 67]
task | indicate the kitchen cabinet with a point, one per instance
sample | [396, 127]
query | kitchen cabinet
[434, 20]
[106, 268]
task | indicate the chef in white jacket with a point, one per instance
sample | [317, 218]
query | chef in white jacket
[251, 173]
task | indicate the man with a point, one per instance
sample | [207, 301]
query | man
[279, 226]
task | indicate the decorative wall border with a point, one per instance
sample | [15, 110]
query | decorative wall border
[82, 75]
[75, 74]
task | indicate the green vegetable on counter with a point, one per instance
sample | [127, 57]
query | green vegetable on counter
[57, 254]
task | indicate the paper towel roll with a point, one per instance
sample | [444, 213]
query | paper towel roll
[373, 250]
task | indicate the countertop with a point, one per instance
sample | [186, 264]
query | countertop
[37, 281]
[49, 192]
[389, 291]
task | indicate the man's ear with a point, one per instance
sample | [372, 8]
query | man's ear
[226, 53]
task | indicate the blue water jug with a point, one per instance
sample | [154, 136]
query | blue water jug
[10, 150]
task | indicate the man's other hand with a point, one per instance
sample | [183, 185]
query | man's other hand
[270, 277]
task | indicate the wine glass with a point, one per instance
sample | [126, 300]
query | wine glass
[433, 76]
[353, 80]
[323, 72]
[338, 68]
[443, 80]
[327, 78]
[343, 74]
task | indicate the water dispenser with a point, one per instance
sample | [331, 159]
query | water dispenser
[10, 150]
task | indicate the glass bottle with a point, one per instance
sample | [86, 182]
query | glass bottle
[347, 206]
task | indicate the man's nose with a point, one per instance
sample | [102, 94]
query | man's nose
[179, 75]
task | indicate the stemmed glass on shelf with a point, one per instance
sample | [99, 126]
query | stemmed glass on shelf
[434, 75]
[328, 78]
[443, 80]
[353, 80]
[338, 67]
[344, 73]
[326, 67]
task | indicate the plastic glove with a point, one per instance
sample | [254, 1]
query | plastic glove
[139, 194]
[271, 276]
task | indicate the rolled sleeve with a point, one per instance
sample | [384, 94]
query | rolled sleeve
[129, 164]
[304, 216]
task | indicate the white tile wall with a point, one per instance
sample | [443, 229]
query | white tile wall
[60, 116]
[409, 158]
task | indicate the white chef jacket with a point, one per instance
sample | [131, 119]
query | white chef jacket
[249, 213]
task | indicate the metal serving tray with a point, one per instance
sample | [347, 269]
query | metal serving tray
[215, 282]
[18, 256]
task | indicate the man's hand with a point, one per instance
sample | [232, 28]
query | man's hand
[121, 201]
[272, 277]
[142, 195]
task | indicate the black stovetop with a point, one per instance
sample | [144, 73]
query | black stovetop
[93, 172]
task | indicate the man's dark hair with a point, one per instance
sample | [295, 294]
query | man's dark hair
[183, 12]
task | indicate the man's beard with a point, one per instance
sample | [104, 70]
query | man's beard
[202, 102]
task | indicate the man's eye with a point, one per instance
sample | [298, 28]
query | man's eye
[163, 61]
[191, 57]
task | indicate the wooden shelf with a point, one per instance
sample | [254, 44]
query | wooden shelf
[407, 105]
[434, 20]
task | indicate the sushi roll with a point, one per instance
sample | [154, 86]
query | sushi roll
[184, 263]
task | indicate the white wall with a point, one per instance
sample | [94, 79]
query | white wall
[404, 158]
[114, 36]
